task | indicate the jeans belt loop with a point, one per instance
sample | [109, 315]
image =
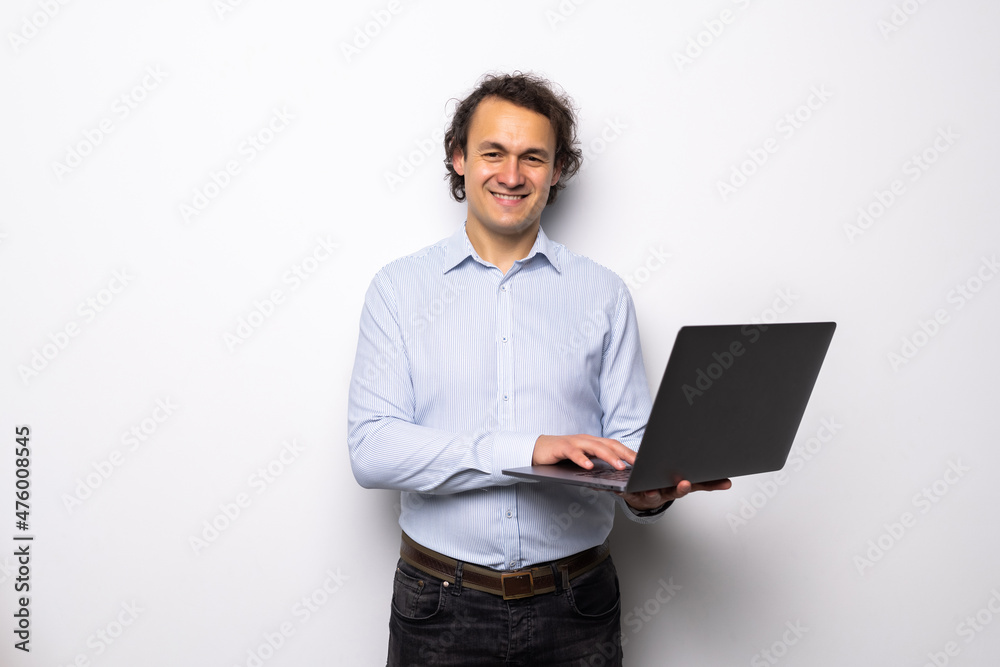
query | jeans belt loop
[564, 576]
[457, 588]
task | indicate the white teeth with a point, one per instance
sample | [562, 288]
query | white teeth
[508, 197]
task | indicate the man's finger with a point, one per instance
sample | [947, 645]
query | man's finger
[620, 451]
[715, 485]
[611, 457]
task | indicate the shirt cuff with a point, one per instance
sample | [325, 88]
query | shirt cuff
[512, 450]
[653, 512]
[644, 516]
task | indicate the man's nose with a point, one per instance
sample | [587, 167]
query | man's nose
[510, 173]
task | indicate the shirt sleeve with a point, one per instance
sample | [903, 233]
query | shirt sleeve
[624, 391]
[388, 449]
[651, 516]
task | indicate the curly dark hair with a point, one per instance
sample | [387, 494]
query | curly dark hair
[524, 90]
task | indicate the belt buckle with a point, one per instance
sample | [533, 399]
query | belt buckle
[517, 585]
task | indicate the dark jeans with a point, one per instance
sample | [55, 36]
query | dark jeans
[434, 625]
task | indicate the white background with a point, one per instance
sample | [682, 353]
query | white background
[825, 551]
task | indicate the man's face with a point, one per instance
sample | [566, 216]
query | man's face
[508, 167]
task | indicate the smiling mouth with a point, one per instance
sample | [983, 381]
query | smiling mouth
[503, 197]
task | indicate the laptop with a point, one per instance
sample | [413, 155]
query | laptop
[729, 404]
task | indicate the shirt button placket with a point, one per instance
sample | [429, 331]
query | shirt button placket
[506, 356]
[505, 364]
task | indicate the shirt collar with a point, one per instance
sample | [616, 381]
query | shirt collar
[460, 248]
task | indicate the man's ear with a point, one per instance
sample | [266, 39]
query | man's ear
[458, 162]
[556, 173]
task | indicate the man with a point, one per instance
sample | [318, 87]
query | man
[492, 349]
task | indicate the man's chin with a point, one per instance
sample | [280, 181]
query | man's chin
[510, 232]
[513, 228]
[515, 222]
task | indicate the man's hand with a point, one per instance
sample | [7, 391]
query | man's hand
[579, 449]
[650, 500]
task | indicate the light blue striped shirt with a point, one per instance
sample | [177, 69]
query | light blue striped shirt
[460, 368]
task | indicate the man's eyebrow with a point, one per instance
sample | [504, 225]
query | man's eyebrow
[487, 145]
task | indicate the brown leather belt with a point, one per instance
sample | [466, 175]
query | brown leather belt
[512, 584]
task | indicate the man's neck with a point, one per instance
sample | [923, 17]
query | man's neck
[501, 250]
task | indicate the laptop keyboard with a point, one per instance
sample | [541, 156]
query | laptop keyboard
[606, 473]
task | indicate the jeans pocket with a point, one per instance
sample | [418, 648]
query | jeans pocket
[415, 596]
[595, 594]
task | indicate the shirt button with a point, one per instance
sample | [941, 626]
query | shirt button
[503, 288]
[508, 514]
[505, 397]
[512, 564]
[504, 339]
